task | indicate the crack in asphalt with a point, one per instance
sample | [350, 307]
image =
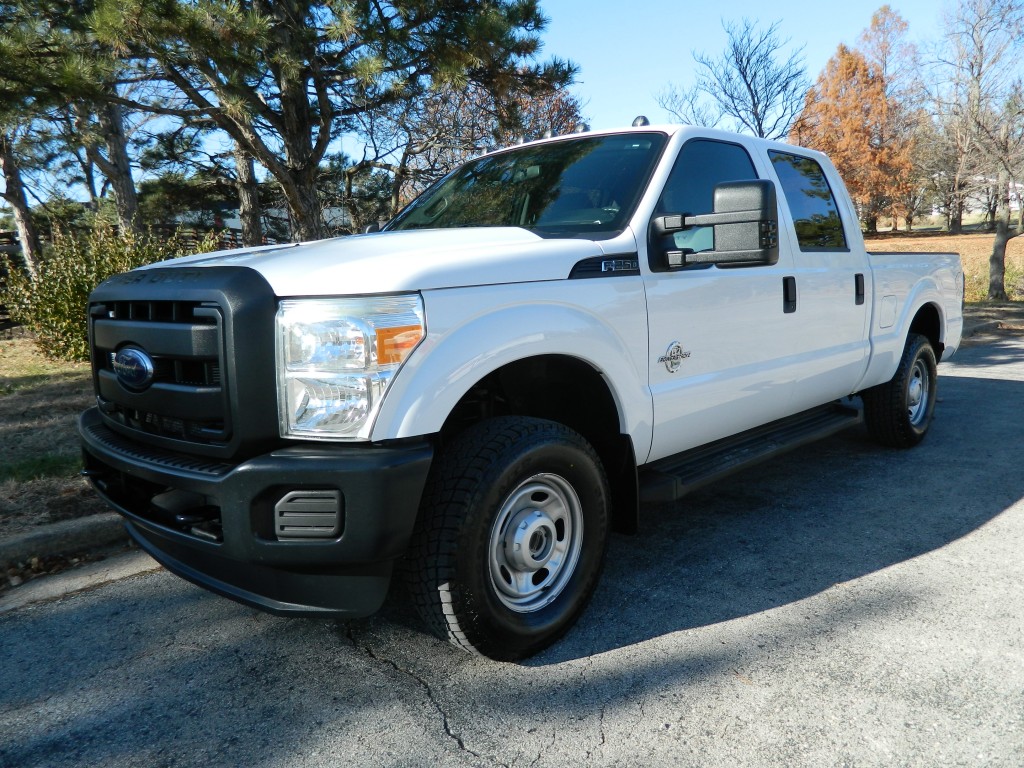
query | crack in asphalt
[540, 753]
[584, 683]
[366, 649]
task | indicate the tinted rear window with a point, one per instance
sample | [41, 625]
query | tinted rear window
[811, 203]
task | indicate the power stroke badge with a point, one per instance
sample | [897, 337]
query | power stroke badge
[674, 357]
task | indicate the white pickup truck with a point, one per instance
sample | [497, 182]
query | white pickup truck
[473, 397]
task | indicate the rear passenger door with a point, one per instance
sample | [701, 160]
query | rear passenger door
[831, 278]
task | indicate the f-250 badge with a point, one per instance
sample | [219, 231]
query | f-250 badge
[674, 357]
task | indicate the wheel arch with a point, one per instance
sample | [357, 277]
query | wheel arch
[567, 390]
[495, 354]
[927, 321]
[926, 318]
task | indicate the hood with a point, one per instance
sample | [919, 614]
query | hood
[388, 262]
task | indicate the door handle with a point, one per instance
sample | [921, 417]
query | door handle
[859, 283]
[789, 295]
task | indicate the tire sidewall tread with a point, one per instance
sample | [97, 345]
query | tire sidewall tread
[446, 567]
[885, 406]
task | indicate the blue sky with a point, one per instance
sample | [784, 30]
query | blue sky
[628, 52]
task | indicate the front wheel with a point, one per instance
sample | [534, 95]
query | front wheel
[511, 537]
[899, 412]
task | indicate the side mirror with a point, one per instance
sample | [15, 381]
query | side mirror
[746, 227]
[371, 228]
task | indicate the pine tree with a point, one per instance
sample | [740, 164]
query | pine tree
[54, 67]
[285, 78]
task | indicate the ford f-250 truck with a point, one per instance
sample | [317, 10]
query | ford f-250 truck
[473, 397]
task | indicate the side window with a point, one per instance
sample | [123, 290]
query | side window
[810, 200]
[690, 188]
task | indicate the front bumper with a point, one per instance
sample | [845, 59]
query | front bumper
[213, 522]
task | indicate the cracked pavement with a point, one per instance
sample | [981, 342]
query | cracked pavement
[842, 605]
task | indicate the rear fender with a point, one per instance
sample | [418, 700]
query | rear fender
[889, 334]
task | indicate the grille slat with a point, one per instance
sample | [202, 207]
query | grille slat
[177, 340]
[156, 311]
[187, 399]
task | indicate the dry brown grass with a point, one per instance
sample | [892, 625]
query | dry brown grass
[26, 504]
[39, 450]
[974, 249]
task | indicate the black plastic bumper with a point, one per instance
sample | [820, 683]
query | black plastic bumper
[213, 523]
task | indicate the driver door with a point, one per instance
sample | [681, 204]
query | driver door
[717, 353]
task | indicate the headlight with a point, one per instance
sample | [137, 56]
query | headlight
[336, 358]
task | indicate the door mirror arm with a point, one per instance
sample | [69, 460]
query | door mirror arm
[746, 228]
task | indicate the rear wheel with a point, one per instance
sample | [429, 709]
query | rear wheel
[899, 412]
[511, 537]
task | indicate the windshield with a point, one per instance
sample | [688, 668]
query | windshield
[582, 185]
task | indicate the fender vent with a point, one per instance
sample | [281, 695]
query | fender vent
[308, 515]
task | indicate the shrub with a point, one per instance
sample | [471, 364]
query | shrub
[54, 305]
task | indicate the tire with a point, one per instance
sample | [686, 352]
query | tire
[510, 538]
[899, 412]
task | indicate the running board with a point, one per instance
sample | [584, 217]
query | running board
[673, 477]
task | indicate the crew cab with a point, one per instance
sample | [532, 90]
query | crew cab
[472, 398]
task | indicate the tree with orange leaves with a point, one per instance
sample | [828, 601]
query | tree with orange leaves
[887, 50]
[849, 114]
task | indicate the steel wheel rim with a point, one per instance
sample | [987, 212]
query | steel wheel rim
[535, 543]
[918, 393]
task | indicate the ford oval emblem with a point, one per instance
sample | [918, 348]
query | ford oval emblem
[133, 368]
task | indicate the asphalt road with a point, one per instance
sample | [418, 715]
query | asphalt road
[843, 605]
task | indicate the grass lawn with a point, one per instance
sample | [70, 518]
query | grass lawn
[974, 249]
[40, 400]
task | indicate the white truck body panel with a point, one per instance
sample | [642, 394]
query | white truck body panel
[739, 372]
[903, 283]
[548, 339]
[406, 261]
[497, 295]
[471, 333]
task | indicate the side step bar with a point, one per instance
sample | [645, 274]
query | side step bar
[673, 477]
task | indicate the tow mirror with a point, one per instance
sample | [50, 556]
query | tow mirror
[745, 222]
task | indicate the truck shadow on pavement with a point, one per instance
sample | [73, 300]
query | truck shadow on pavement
[819, 517]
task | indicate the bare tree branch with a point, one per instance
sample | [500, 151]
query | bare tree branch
[747, 83]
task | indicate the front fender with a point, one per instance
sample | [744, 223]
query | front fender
[472, 332]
